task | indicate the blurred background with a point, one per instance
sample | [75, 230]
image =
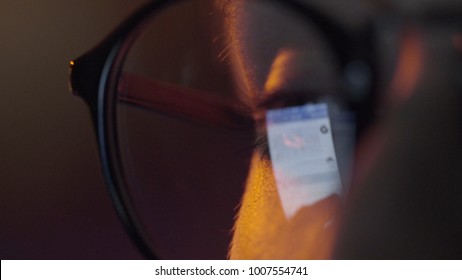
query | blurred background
[53, 203]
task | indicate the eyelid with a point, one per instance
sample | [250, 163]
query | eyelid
[286, 98]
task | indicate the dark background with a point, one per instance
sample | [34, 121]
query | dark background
[53, 203]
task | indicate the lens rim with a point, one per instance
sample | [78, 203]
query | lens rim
[107, 131]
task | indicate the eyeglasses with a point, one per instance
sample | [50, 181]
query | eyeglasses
[168, 92]
[175, 132]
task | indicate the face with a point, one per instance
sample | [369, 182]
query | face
[276, 54]
[279, 56]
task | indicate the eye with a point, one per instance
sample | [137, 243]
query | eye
[285, 98]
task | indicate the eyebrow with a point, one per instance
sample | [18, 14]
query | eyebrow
[204, 107]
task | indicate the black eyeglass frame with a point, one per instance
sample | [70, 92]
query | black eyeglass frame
[90, 75]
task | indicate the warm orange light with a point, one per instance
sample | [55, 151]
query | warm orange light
[410, 66]
[262, 231]
[71, 63]
[278, 73]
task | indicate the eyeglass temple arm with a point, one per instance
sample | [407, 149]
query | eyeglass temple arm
[191, 104]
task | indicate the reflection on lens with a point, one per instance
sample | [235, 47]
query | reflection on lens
[186, 115]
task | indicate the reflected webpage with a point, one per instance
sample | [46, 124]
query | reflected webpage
[303, 155]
